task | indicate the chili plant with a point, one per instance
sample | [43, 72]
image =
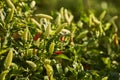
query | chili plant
[43, 47]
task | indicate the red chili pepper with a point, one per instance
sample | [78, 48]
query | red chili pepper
[35, 38]
[58, 52]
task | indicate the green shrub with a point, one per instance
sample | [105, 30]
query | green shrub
[42, 47]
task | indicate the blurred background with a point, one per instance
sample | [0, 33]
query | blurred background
[79, 7]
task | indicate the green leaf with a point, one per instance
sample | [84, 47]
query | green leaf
[62, 56]
[3, 51]
[82, 34]
[105, 78]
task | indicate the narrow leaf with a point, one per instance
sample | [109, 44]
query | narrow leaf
[62, 56]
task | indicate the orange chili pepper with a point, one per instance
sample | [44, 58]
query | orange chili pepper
[62, 38]
[58, 52]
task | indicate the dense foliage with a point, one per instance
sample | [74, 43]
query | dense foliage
[43, 47]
